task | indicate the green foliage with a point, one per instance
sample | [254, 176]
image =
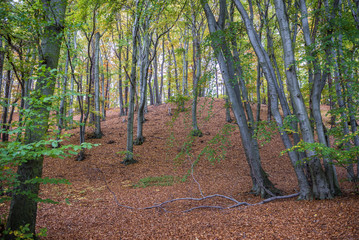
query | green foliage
[180, 100]
[23, 233]
[264, 131]
[216, 148]
[23, 148]
[340, 157]
[164, 180]
[196, 133]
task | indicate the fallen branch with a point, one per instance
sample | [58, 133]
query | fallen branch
[162, 205]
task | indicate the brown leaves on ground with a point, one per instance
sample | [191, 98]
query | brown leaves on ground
[88, 210]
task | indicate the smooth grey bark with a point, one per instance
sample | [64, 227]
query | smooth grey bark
[128, 80]
[23, 208]
[259, 83]
[119, 56]
[152, 97]
[228, 109]
[144, 66]
[62, 112]
[174, 62]
[71, 100]
[129, 147]
[275, 93]
[321, 188]
[98, 133]
[5, 109]
[103, 90]
[2, 60]
[261, 184]
[196, 74]
[169, 74]
[185, 64]
[318, 82]
[159, 101]
[155, 81]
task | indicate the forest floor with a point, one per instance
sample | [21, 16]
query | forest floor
[90, 208]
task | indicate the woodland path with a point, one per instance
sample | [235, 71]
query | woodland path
[88, 210]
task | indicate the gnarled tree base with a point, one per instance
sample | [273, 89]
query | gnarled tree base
[129, 161]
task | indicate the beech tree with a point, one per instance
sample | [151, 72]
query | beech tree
[23, 208]
[261, 184]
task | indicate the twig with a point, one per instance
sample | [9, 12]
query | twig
[161, 205]
[109, 189]
[194, 179]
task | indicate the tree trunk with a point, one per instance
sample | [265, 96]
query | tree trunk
[261, 184]
[174, 62]
[129, 148]
[162, 71]
[62, 112]
[196, 74]
[23, 208]
[98, 132]
[155, 81]
[7, 100]
[185, 66]
[144, 66]
[169, 74]
[71, 101]
[321, 189]
[318, 83]
[2, 60]
[150, 86]
[275, 93]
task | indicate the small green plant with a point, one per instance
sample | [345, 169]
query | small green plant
[165, 180]
[196, 133]
[179, 100]
[264, 131]
[23, 233]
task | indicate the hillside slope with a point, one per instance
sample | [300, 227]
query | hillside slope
[89, 209]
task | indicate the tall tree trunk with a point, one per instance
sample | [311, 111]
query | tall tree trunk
[196, 74]
[318, 83]
[23, 208]
[71, 101]
[129, 148]
[62, 112]
[261, 184]
[185, 65]
[5, 109]
[103, 100]
[155, 81]
[169, 74]
[2, 60]
[174, 62]
[275, 93]
[321, 188]
[98, 132]
[150, 86]
[162, 71]
[144, 66]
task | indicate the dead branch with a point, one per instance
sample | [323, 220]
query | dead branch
[162, 205]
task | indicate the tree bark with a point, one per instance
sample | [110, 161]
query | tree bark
[129, 147]
[275, 93]
[196, 74]
[98, 133]
[261, 184]
[23, 208]
[321, 189]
